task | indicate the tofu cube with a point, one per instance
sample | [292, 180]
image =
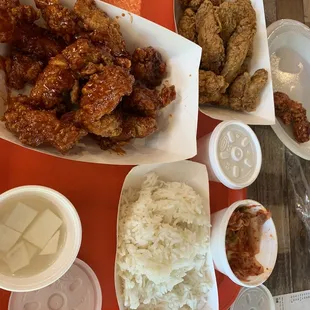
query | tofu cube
[17, 258]
[42, 229]
[52, 245]
[8, 237]
[21, 217]
[31, 249]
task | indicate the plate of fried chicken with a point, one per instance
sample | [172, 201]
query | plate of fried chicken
[234, 76]
[91, 82]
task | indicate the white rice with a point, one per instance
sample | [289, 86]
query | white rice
[162, 246]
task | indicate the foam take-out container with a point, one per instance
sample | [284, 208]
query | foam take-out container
[265, 113]
[194, 175]
[232, 154]
[175, 139]
[289, 43]
[69, 250]
[267, 255]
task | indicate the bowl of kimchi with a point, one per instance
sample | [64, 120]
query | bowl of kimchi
[244, 243]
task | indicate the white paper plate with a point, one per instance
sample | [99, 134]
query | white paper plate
[196, 176]
[264, 114]
[289, 45]
[176, 138]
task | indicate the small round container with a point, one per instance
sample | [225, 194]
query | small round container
[258, 298]
[232, 154]
[68, 252]
[268, 245]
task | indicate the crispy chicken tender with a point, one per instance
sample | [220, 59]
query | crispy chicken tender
[148, 66]
[187, 25]
[208, 28]
[22, 69]
[36, 127]
[211, 87]
[245, 91]
[82, 53]
[105, 30]
[237, 49]
[102, 94]
[59, 19]
[231, 13]
[147, 102]
[53, 83]
[34, 40]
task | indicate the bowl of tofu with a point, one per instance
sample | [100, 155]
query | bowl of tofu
[40, 237]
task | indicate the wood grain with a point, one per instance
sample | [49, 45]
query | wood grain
[290, 9]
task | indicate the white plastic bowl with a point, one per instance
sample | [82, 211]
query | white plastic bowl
[268, 246]
[69, 251]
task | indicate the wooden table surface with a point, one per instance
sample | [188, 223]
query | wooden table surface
[273, 188]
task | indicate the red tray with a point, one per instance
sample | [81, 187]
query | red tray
[94, 189]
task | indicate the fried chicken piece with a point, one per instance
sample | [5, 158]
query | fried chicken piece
[105, 30]
[7, 4]
[301, 131]
[148, 66]
[193, 4]
[53, 83]
[132, 127]
[289, 110]
[187, 25]
[208, 29]
[22, 69]
[102, 94]
[59, 19]
[231, 13]
[82, 53]
[36, 127]
[211, 87]
[237, 49]
[34, 40]
[147, 102]
[12, 16]
[245, 91]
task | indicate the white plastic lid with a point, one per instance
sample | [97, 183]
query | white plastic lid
[254, 298]
[79, 289]
[235, 154]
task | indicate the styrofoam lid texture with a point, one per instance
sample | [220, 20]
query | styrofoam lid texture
[235, 154]
[79, 289]
[255, 298]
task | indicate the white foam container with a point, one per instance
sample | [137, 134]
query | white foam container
[267, 255]
[289, 43]
[232, 154]
[69, 250]
[194, 175]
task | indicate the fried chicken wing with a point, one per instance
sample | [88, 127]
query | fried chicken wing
[36, 127]
[301, 131]
[102, 94]
[208, 29]
[187, 25]
[148, 66]
[53, 83]
[22, 69]
[82, 53]
[105, 30]
[59, 19]
[237, 49]
[34, 40]
[147, 102]
[245, 90]
[231, 13]
[10, 17]
[211, 87]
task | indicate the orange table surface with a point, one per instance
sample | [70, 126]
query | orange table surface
[94, 189]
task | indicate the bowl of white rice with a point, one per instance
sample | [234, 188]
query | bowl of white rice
[163, 258]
